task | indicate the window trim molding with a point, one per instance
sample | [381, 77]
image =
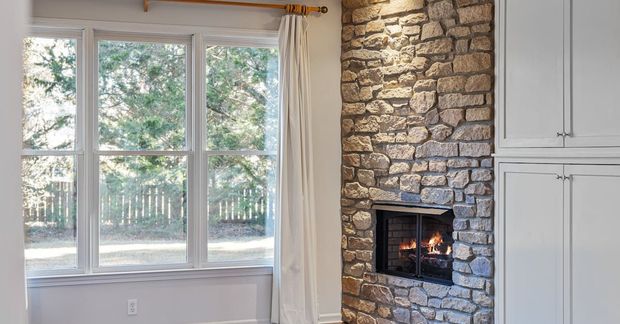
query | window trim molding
[87, 33]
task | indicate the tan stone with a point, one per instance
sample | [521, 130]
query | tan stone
[382, 138]
[362, 220]
[459, 31]
[348, 173]
[425, 85]
[351, 285]
[437, 166]
[452, 117]
[350, 92]
[357, 143]
[434, 180]
[377, 293]
[360, 243]
[375, 161]
[348, 76]
[388, 182]
[366, 177]
[375, 26]
[416, 64]
[365, 256]
[351, 160]
[410, 182]
[441, 10]
[376, 41]
[422, 102]
[473, 62]
[360, 30]
[431, 30]
[400, 152]
[359, 304]
[478, 114]
[451, 84]
[476, 14]
[420, 166]
[481, 82]
[399, 167]
[439, 69]
[348, 256]
[481, 43]
[354, 269]
[365, 14]
[400, 6]
[389, 123]
[434, 47]
[413, 19]
[396, 93]
[362, 54]
[365, 319]
[417, 135]
[354, 190]
[481, 175]
[353, 109]
[370, 77]
[367, 124]
[393, 30]
[440, 132]
[411, 30]
[384, 311]
[473, 132]
[431, 117]
[347, 126]
[475, 149]
[457, 100]
[379, 107]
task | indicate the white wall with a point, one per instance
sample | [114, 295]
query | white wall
[324, 33]
[12, 298]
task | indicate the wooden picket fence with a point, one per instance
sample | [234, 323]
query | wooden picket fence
[149, 204]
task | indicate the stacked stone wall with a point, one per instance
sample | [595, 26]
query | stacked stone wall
[417, 128]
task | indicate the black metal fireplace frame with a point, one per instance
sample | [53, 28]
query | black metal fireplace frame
[381, 236]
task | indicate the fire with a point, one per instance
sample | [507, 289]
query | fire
[411, 245]
[434, 242]
[449, 250]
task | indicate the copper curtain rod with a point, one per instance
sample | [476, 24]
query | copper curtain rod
[289, 8]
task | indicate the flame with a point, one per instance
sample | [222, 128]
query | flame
[449, 250]
[411, 245]
[434, 242]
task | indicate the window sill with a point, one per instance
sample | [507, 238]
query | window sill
[160, 275]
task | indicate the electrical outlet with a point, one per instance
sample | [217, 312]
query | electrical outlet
[132, 307]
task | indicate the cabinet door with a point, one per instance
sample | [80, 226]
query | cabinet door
[532, 61]
[594, 193]
[595, 113]
[530, 259]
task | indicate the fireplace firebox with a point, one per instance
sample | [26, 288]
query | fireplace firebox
[415, 242]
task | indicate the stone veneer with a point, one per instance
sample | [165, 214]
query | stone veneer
[417, 79]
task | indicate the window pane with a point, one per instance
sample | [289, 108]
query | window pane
[49, 93]
[49, 208]
[141, 96]
[242, 98]
[143, 210]
[241, 207]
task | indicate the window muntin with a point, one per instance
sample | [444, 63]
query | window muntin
[93, 163]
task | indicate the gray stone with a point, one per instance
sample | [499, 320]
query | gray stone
[462, 252]
[380, 194]
[436, 290]
[418, 296]
[400, 151]
[417, 135]
[475, 149]
[457, 317]
[474, 237]
[434, 148]
[401, 315]
[481, 175]
[420, 318]
[434, 180]
[460, 292]
[482, 299]
[482, 266]
[483, 317]
[439, 196]
[472, 133]
[484, 207]
[459, 304]
[375, 161]
[440, 132]
[452, 117]
[458, 179]
[464, 211]
[362, 220]
[399, 167]
[410, 182]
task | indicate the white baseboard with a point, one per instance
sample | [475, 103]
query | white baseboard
[334, 318]
[248, 321]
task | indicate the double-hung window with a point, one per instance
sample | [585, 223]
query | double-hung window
[147, 152]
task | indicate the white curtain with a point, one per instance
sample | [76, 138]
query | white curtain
[294, 286]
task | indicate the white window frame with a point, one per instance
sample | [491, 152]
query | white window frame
[87, 34]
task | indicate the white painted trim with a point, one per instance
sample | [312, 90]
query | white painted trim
[144, 276]
[333, 318]
[165, 29]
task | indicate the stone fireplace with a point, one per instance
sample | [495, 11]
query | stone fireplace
[417, 129]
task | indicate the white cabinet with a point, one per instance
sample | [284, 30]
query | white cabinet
[558, 67]
[557, 252]
[595, 220]
[533, 64]
[594, 116]
[530, 270]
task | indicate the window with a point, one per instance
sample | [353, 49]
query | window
[137, 159]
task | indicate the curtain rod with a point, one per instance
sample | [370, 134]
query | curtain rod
[289, 8]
